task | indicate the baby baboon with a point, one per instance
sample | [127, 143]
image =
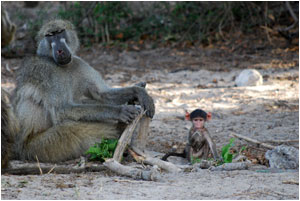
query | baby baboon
[8, 29]
[63, 104]
[199, 143]
[9, 127]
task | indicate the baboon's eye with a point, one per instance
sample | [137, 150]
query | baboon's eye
[49, 34]
[60, 31]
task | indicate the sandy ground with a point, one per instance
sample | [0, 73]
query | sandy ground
[267, 112]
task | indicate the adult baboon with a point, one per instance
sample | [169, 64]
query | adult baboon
[63, 104]
[9, 127]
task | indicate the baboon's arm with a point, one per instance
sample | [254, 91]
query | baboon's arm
[100, 112]
[211, 144]
[119, 96]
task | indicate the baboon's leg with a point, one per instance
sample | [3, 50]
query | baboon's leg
[206, 151]
[68, 141]
[203, 152]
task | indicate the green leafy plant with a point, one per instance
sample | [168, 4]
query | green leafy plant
[226, 155]
[103, 150]
[195, 160]
[198, 160]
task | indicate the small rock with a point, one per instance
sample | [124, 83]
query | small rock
[249, 77]
[283, 157]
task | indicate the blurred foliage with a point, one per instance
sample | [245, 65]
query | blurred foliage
[97, 20]
[34, 25]
[206, 22]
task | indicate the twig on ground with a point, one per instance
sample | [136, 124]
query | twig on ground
[291, 182]
[38, 164]
[231, 166]
[281, 141]
[51, 169]
[253, 141]
[125, 180]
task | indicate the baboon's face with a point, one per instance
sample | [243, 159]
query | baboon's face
[198, 122]
[60, 50]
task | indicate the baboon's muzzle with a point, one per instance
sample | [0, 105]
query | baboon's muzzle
[62, 55]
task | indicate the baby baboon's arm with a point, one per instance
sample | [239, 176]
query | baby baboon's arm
[211, 144]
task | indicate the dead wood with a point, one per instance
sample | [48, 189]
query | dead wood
[268, 146]
[231, 166]
[30, 168]
[126, 137]
[135, 173]
[204, 164]
[141, 157]
[282, 141]
[139, 138]
[291, 182]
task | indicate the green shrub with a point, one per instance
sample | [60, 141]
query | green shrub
[195, 160]
[103, 150]
[205, 22]
[226, 155]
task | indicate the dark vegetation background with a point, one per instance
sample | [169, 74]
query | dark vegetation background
[135, 25]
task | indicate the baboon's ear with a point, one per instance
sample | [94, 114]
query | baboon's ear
[187, 116]
[208, 117]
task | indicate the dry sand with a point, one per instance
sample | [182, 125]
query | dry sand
[267, 112]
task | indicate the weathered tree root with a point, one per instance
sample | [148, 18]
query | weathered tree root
[141, 157]
[32, 168]
[231, 166]
[134, 173]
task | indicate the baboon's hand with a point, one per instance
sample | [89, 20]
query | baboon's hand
[141, 84]
[128, 113]
[146, 102]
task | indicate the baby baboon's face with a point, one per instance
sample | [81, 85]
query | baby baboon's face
[198, 122]
[59, 45]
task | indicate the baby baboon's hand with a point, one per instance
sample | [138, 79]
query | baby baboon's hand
[128, 113]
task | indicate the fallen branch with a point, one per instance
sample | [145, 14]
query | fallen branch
[281, 141]
[141, 157]
[231, 166]
[253, 141]
[291, 182]
[125, 138]
[120, 169]
[129, 181]
[204, 164]
[26, 168]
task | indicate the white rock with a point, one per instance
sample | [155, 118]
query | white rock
[249, 77]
